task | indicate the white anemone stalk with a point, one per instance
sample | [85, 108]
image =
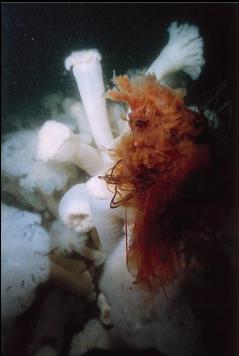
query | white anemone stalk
[109, 222]
[74, 109]
[56, 142]
[87, 70]
[184, 51]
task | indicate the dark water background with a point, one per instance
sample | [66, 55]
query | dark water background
[36, 38]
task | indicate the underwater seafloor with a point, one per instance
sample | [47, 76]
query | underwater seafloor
[54, 262]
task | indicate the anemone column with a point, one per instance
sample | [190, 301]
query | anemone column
[88, 74]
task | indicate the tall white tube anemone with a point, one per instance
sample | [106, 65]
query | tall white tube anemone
[184, 51]
[87, 70]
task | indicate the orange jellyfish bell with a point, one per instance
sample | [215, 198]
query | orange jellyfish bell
[153, 161]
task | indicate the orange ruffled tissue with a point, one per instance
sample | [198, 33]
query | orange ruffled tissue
[153, 161]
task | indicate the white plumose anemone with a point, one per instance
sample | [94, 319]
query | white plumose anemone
[74, 209]
[184, 51]
[24, 259]
[35, 181]
[57, 143]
